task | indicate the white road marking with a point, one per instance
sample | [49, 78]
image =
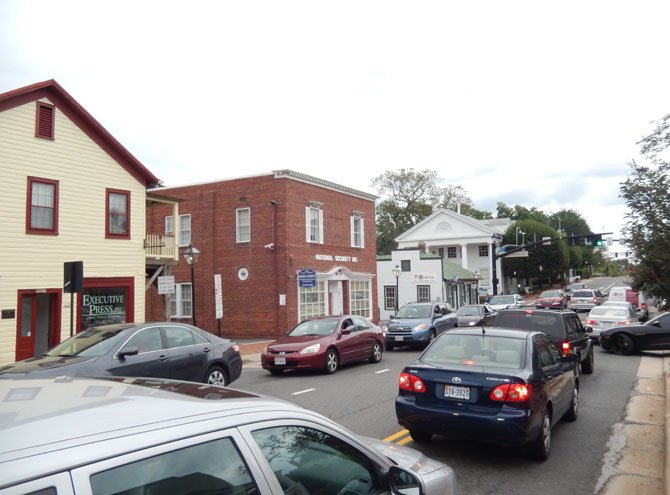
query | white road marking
[382, 371]
[304, 391]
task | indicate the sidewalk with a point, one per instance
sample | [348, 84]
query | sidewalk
[638, 459]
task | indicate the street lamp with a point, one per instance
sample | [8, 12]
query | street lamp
[191, 255]
[519, 231]
[396, 272]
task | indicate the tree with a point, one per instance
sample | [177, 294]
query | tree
[518, 212]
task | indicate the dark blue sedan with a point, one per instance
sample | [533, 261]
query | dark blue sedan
[500, 386]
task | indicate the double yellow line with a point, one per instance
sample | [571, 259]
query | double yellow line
[400, 438]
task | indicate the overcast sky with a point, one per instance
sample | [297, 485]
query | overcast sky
[537, 103]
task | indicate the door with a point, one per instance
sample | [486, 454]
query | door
[152, 358]
[335, 296]
[37, 328]
[189, 353]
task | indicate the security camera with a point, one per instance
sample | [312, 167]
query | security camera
[270, 246]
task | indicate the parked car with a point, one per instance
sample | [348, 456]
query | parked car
[418, 323]
[501, 386]
[553, 299]
[153, 436]
[603, 317]
[564, 329]
[158, 350]
[475, 315]
[504, 301]
[650, 335]
[585, 299]
[325, 343]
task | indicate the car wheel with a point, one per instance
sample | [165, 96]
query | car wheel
[277, 372]
[216, 375]
[332, 361]
[420, 436]
[623, 344]
[376, 353]
[431, 337]
[541, 446]
[571, 414]
[587, 364]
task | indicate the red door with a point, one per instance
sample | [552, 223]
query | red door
[38, 326]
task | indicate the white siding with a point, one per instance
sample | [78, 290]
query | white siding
[84, 171]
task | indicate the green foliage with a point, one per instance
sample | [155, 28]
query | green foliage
[518, 212]
[570, 222]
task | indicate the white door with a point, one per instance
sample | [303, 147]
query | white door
[335, 297]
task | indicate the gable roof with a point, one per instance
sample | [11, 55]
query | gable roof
[55, 93]
[486, 227]
[451, 270]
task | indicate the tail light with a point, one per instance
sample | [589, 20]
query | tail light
[595, 301]
[565, 348]
[235, 348]
[510, 392]
[643, 305]
[591, 322]
[411, 383]
[622, 322]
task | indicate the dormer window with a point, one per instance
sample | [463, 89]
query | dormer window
[44, 122]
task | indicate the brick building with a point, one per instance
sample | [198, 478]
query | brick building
[286, 246]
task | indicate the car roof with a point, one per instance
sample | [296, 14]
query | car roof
[62, 421]
[491, 332]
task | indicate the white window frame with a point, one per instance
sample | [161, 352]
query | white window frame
[452, 250]
[177, 307]
[357, 229]
[390, 300]
[483, 250]
[360, 306]
[425, 289]
[242, 230]
[312, 301]
[313, 232]
[184, 238]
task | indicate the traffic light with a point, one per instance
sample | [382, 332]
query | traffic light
[598, 240]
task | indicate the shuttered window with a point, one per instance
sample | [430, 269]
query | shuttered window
[44, 125]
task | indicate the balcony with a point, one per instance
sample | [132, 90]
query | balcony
[160, 249]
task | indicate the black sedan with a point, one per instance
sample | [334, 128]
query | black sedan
[651, 335]
[501, 386]
[472, 315]
[156, 350]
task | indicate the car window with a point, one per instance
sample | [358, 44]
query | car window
[179, 336]
[94, 342]
[582, 293]
[547, 352]
[573, 323]
[361, 323]
[307, 461]
[146, 340]
[212, 467]
[315, 327]
[664, 321]
[415, 311]
[501, 352]
[531, 320]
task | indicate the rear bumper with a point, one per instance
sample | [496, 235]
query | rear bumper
[509, 426]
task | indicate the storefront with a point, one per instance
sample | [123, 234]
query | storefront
[105, 301]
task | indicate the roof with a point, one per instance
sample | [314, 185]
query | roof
[450, 270]
[55, 93]
[486, 227]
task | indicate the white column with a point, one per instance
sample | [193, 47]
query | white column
[464, 256]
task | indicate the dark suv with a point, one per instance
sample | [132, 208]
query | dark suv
[418, 323]
[564, 329]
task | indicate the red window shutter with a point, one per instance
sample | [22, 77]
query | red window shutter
[45, 121]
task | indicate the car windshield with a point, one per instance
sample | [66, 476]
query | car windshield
[93, 342]
[609, 311]
[551, 293]
[483, 350]
[415, 311]
[468, 311]
[314, 327]
[502, 300]
[582, 293]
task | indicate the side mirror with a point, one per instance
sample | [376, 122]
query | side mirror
[128, 351]
[404, 482]
[392, 317]
[588, 328]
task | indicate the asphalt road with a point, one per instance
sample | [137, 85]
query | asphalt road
[361, 397]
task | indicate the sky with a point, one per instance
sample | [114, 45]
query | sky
[536, 103]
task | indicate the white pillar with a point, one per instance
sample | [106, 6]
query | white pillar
[464, 256]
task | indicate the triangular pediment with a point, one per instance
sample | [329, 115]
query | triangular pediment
[446, 225]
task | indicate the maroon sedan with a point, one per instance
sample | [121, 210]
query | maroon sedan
[325, 343]
[552, 299]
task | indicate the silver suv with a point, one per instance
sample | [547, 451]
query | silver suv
[586, 299]
[149, 436]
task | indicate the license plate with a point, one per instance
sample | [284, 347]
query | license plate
[398, 338]
[456, 392]
[280, 360]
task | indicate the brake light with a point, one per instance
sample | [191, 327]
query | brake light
[591, 322]
[235, 348]
[565, 348]
[510, 392]
[595, 300]
[622, 322]
[411, 383]
[643, 305]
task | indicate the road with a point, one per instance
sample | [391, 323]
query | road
[361, 397]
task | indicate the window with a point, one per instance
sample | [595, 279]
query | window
[314, 224]
[359, 298]
[243, 225]
[406, 265]
[181, 336]
[212, 467]
[44, 122]
[483, 250]
[42, 206]
[146, 340]
[389, 297]
[118, 214]
[181, 303]
[423, 293]
[184, 238]
[357, 228]
[440, 252]
[451, 252]
[312, 301]
[309, 461]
